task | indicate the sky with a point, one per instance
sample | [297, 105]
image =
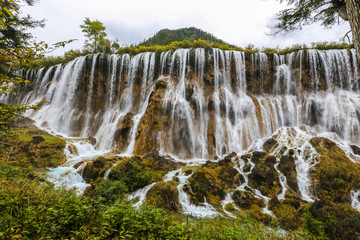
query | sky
[238, 22]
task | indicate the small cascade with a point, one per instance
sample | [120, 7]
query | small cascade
[140, 195]
[85, 130]
[355, 200]
[206, 210]
[136, 119]
[282, 180]
[67, 177]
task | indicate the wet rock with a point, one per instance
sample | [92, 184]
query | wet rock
[212, 181]
[95, 169]
[283, 150]
[270, 144]
[264, 175]
[92, 140]
[164, 195]
[335, 174]
[230, 156]
[153, 121]
[245, 199]
[122, 132]
[355, 149]
[288, 168]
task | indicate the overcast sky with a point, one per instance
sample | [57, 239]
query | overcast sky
[238, 22]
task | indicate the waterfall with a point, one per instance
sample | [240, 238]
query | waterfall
[215, 101]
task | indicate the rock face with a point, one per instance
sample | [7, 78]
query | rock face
[138, 172]
[212, 181]
[194, 103]
[264, 176]
[165, 195]
[29, 145]
[122, 133]
[288, 167]
[153, 121]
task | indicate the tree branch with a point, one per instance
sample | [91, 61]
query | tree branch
[328, 10]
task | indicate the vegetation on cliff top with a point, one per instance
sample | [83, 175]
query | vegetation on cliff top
[166, 37]
[133, 50]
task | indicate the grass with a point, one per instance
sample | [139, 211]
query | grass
[133, 50]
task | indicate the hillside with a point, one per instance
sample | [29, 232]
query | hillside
[167, 36]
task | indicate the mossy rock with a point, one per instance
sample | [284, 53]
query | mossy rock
[31, 146]
[270, 144]
[244, 199]
[212, 181]
[288, 168]
[96, 169]
[257, 213]
[338, 220]
[138, 172]
[288, 216]
[335, 174]
[164, 195]
[264, 175]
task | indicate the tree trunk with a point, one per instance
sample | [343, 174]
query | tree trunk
[353, 11]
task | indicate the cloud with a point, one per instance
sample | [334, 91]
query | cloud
[238, 22]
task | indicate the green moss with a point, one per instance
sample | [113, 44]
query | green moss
[288, 216]
[334, 220]
[137, 172]
[230, 207]
[336, 175]
[23, 148]
[164, 195]
[212, 181]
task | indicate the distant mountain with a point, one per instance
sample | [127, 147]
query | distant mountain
[167, 36]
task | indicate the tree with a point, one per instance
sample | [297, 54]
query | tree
[95, 32]
[327, 12]
[12, 51]
[16, 49]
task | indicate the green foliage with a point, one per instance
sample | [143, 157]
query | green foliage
[242, 227]
[96, 35]
[31, 210]
[110, 191]
[305, 12]
[15, 50]
[314, 226]
[166, 37]
[135, 173]
[7, 9]
[20, 149]
[51, 61]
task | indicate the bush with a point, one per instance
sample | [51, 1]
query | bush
[109, 191]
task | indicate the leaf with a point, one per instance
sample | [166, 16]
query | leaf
[8, 12]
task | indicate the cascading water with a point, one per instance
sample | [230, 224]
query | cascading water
[215, 102]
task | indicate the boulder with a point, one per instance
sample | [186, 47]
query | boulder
[164, 195]
[270, 144]
[245, 199]
[264, 175]
[37, 139]
[288, 168]
[122, 132]
[212, 181]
